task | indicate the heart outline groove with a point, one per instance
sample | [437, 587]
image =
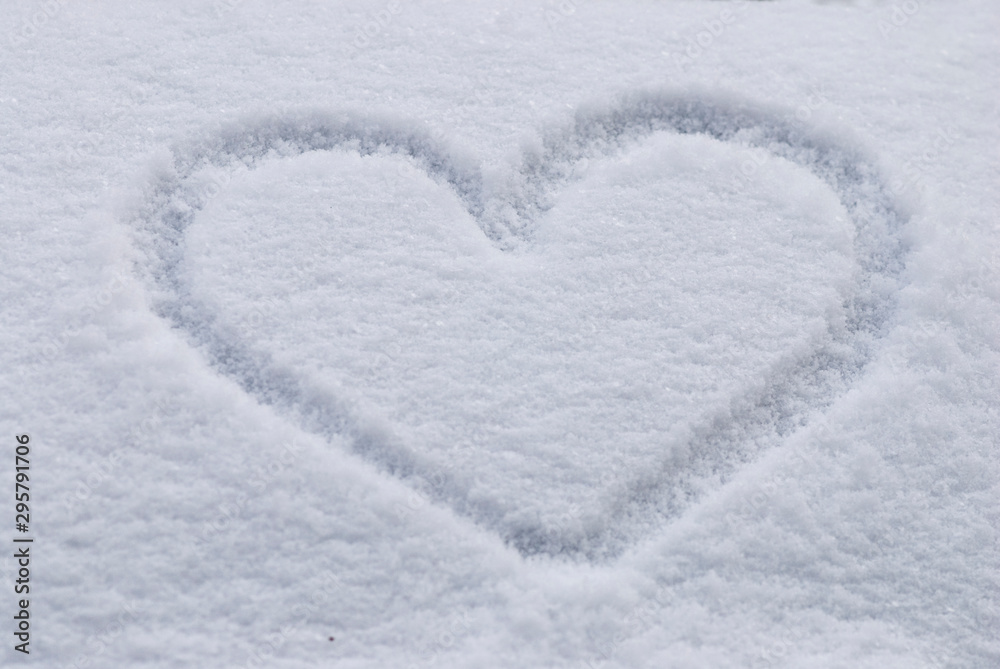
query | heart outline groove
[506, 211]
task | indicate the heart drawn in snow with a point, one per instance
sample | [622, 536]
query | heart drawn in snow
[567, 353]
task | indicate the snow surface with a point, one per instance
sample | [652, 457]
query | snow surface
[508, 334]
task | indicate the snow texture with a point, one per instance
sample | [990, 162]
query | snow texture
[509, 334]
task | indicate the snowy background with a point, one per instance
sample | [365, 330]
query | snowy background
[506, 334]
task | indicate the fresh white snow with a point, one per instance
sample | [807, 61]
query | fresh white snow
[508, 334]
